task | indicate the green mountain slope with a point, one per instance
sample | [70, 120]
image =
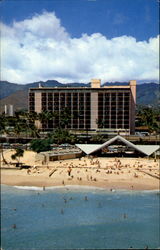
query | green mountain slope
[148, 94]
[8, 88]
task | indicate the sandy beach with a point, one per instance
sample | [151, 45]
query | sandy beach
[109, 173]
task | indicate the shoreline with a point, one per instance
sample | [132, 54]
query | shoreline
[98, 172]
[78, 187]
[13, 179]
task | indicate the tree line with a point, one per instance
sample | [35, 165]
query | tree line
[23, 124]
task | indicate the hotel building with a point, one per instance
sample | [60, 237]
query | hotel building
[109, 107]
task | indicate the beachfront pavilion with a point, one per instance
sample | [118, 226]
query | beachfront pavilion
[120, 146]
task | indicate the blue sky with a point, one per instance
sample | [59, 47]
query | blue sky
[112, 18]
[126, 27]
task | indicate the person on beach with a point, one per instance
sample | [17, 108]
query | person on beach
[69, 171]
[28, 171]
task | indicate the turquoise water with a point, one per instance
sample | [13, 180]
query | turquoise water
[73, 218]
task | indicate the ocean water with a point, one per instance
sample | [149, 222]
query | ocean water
[78, 218]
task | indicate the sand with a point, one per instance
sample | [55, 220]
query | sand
[109, 173]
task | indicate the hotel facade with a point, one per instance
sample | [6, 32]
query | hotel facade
[96, 107]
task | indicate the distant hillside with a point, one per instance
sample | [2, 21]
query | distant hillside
[148, 94]
[19, 100]
[16, 94]
[8, 88]
[53, 83]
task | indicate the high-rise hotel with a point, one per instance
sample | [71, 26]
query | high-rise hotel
[109, 107]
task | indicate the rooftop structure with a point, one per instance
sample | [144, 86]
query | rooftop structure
[88, 108]
[59, 153]
[146, 150]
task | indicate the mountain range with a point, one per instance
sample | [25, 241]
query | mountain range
[17, 94]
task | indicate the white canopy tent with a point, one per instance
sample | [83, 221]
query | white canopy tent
[144, 149]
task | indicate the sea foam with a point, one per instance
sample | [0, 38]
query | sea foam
[82, 187]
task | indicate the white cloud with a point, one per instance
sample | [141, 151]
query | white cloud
[40, 49]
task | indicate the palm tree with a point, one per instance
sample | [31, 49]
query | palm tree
[65, 117]
[60, 135]
[4, 124]
[100, 123]
[32, 116]
[44, 117]
[17, 128]
[19, 153]
[34, 131]
[147, 117]
[31, 119]
[2, 154]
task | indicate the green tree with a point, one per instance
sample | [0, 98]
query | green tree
[65, 117]
[60, 136]
[31, 117]
[19, 153]
[97, 138]
[22, 123]
[41, 145]
[33, 131]
[44, 117]
[18, 128]
[148, 116]
[2, 123]
[100, 123]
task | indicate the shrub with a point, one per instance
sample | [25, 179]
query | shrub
[40, 145]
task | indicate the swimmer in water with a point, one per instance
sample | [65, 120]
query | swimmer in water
[14, 226]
